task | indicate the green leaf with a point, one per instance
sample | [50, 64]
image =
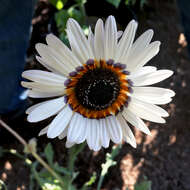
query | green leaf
[73, 153]
[61, 169]
[61, 18]
[45, 179]
[64, 38]
[115, 3]
[130, 2]
[68, 183]
[75, 174]
[92, 180]
[74, 13]
[36, 174]
[49, 153]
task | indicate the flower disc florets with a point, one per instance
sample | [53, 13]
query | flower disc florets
[98, 89]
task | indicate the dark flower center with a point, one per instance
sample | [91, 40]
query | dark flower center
[97, 89]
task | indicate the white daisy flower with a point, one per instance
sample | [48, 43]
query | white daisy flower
[99, 86]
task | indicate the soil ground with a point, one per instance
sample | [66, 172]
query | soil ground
[164, 158]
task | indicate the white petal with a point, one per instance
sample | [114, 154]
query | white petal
[125, 43]
[39, 87]
[147, 111]
[153, 95]
[104, 134]
[114, 129]
[48, 66]
[141, 43]
[71, 136]
[64, 61]
[93, 135]
[45, 110]
[110, 41]
[135, 121]
[35, 94]
[60, 122]
[146, 54]
[141, 72]
[43, 131]
[152, 100]
[153, 91]
[63, 134]
[43, 77]
[88, 133]
[31, 108]
[91, 40]
[79, 44]
[63, 50]
[82, 133]
[127, 133]
[97, 145]
[152, 78]
[98, 40]
[75, 129]
[50, 59]
[156, 109]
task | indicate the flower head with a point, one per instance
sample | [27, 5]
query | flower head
[99, 85]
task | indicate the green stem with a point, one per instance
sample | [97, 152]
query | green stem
[2, 184]
[73, 152]
[109, 163]
[100, 181]
[83, 11]
[14, 152]
[35, 155]
[43, 163]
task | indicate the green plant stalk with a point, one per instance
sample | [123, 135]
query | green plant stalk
[14, 152]
[100, 182]
[33, 169]
[43, 163]
[109, 163]
[83, 11]
[73, 152]
[2, 184]
[35, 155]
[102, 175]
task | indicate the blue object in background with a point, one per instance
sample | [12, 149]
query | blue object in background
[15, 23]
[184, 6]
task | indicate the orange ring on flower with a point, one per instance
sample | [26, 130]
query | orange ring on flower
[84, 89]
